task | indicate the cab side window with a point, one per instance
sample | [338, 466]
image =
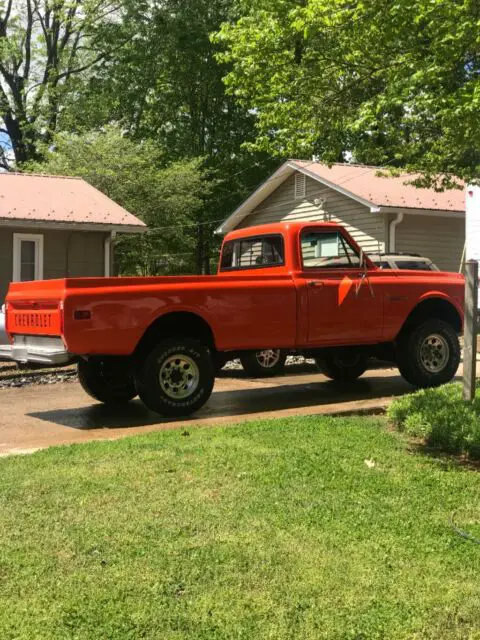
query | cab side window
[328, 250]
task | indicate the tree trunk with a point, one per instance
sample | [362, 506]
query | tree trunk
[200, 241]
[23, 143]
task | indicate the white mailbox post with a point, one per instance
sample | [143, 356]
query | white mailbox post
[472, 255]
[472, 229]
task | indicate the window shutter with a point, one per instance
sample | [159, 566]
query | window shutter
[300, 183]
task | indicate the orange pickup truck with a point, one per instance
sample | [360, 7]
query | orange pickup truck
[303, 286]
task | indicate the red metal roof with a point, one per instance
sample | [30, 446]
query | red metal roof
[384, 190]
[41, 198]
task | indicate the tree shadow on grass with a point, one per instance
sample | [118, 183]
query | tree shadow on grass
[446, 461]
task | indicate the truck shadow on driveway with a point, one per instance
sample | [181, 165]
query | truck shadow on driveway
[265, 398]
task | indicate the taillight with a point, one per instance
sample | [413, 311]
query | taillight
[62, 316]
[5, 311]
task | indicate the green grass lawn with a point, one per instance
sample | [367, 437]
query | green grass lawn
[272, 530]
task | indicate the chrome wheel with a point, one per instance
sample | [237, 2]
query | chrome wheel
[268, 358]
[179, 376]
[434, 353]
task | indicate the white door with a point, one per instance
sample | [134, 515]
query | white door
[27, 257]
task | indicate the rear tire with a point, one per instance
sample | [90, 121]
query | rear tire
[428, 355]
[108, 380]
[263, 363]
[176, 378]
[343, 365]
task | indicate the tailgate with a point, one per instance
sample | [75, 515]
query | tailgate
[35, 308]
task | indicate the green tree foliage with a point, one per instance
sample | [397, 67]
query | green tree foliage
[394, 82]
[159, 80]
[147, 67]
[166, 85]
[46, 47]
[168, 197]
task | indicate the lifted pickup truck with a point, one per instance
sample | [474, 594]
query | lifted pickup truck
[303, 286]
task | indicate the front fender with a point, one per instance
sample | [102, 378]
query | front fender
[457, 302]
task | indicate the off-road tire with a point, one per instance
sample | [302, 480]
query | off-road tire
[157, 391]
[108, 380]
[411, 362]
[343, 365]
[252, 363]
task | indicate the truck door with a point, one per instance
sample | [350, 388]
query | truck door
[345, 302]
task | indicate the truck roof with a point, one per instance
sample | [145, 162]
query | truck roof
[277, 227]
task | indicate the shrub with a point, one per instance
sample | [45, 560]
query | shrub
[441, 417]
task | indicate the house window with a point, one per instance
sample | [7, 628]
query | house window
[27, 257]
[300, 185]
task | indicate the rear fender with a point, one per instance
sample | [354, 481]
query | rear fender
[176, 324]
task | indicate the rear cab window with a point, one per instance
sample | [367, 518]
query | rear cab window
[253, 253]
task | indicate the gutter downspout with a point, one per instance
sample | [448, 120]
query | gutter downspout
[108, 253]
[393, 226]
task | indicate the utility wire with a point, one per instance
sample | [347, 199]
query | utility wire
[207, 222]
[273, 178]
[183, 226]
[269, 180]
[184, 253]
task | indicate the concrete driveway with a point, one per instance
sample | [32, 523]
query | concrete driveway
[35, 417]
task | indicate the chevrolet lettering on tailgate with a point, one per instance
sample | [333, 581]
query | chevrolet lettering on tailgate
[40, 320]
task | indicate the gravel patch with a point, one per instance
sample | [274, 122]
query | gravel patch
[11, 375]
[37, 379]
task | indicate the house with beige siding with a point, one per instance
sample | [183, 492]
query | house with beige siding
[384, 213]
[56, 227]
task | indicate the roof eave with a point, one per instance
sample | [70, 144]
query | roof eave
[72, 226]
[440, 213]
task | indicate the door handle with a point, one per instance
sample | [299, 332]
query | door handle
[315, 283]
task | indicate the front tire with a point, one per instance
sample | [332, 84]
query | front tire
[263, 363]
[176, 378]
[343, 365]
[429, 354]
[108, 380]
